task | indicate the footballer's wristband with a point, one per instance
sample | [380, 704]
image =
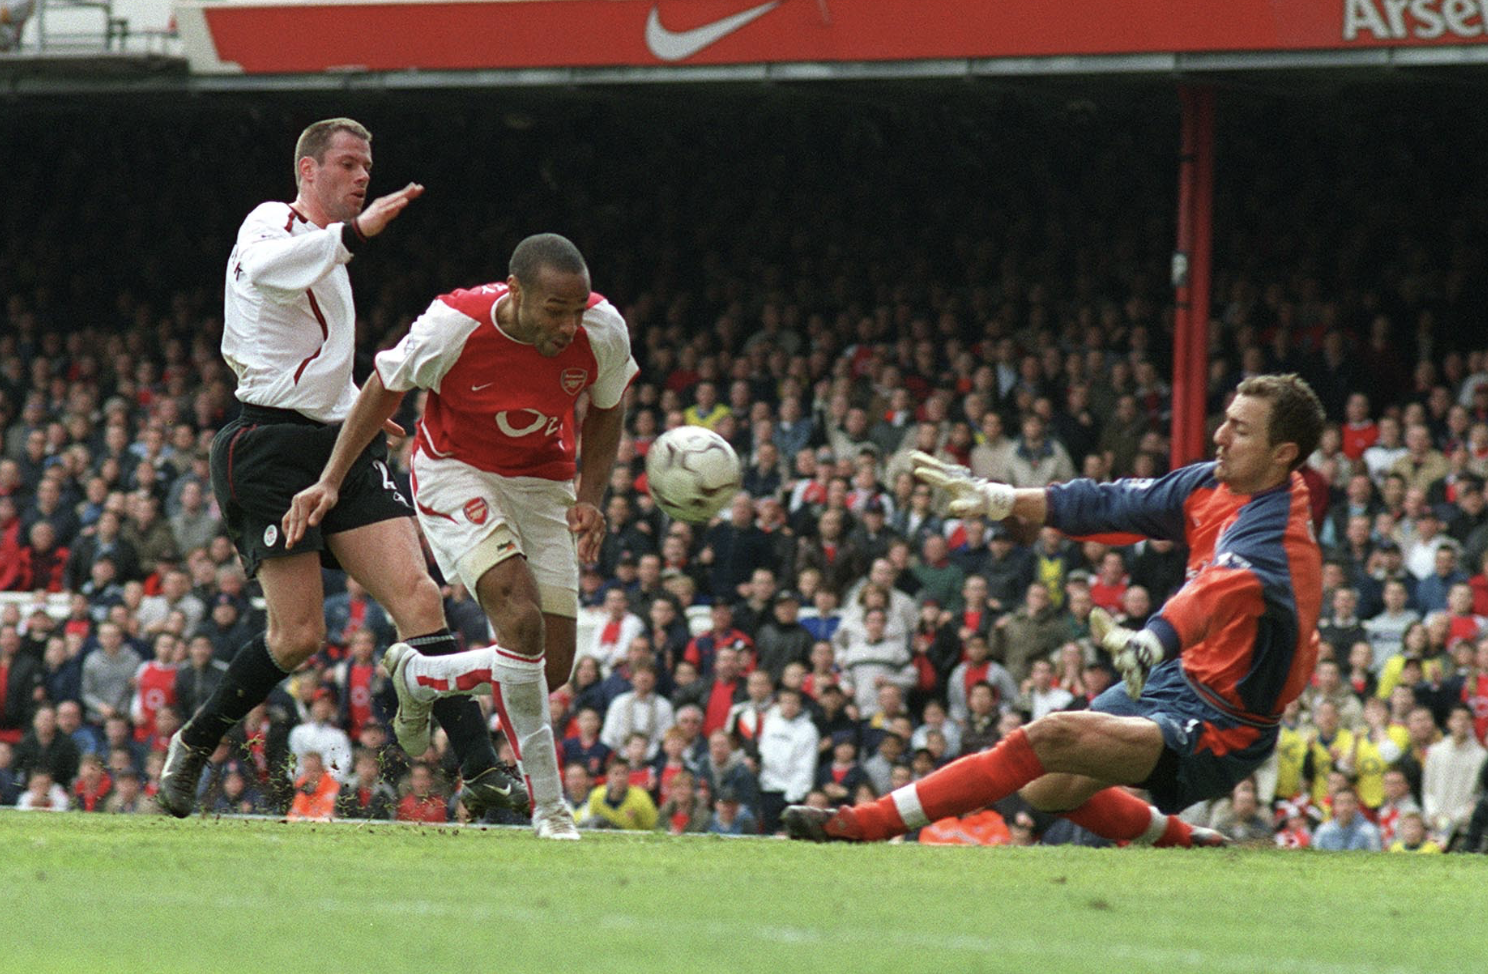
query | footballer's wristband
[351, 235]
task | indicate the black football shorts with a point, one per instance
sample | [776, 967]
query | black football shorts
[264, 457]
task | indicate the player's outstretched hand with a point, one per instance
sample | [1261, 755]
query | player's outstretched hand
[308, 508]
[381, 211]
[970, 496]
[585, 520]
[1135, 652]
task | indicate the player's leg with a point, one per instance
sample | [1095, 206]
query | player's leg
[376, 542]
[1103, 747]
[296, 630]
[514, 668]
[1113, 813]
[560, 640]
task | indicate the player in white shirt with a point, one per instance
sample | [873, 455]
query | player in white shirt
[289, 334]
[493, 474]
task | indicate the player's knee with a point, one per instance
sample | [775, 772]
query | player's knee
[297, 640]
[522, 621]
[1057, 734]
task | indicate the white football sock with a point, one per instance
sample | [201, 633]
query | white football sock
[521, 698]
[458, 674]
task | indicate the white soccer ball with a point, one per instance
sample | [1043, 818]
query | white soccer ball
[692, 473]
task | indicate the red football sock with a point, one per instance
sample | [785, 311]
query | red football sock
[1114, 814]
[1178, 833]
[962, 786]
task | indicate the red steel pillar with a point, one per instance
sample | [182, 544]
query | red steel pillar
[1191, 274]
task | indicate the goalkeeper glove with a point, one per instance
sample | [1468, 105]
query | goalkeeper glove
[1135, 652]
[970, 496]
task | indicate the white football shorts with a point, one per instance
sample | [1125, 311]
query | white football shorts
[475, 520]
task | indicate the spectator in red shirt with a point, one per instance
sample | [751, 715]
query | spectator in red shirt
[422, 803]
[43, 562]
[1359, 430]
[1110, 583]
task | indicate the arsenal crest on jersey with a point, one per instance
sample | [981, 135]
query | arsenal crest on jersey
[476, 509]
[573, 380]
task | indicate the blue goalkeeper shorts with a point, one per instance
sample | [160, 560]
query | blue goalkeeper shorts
[1207, 749]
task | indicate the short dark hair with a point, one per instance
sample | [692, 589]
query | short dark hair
[316, 138]
[1296, 412]
[546, 250]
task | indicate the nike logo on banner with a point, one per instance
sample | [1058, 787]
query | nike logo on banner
[678, 45]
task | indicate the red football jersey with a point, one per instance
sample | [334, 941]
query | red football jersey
[155, 687]
[495, 402]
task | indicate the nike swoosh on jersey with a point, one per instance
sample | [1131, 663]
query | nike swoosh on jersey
[481, 386]
[678, 45]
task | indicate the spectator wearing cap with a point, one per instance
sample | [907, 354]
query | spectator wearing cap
[782, 639]
[1009, 569]
[871, 536]
[731, 816]
[225, 628]
[319, 735]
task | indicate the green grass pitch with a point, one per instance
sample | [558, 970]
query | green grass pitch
[89, 893]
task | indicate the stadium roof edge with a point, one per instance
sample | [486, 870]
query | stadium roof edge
[104, 74]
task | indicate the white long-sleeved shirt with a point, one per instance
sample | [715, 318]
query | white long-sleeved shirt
[1449, 781]
[788, 752]
[289, 324]
[629, 714]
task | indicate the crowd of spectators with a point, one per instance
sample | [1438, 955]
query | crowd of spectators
[1001, 301]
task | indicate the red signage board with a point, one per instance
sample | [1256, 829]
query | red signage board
[298, 37]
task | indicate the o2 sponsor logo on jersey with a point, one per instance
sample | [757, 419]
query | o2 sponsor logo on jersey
[476, 510]
[518, 423]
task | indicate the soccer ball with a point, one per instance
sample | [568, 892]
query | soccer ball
[692, 473]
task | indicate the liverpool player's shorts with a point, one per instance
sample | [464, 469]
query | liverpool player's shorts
[1207, 749]
[264, 457]
[475, 519]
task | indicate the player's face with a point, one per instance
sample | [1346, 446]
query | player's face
[340, 181]
[1246, 459]
[550, 309]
